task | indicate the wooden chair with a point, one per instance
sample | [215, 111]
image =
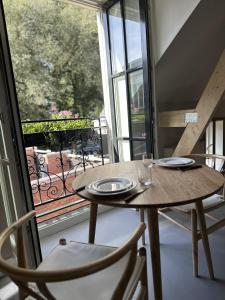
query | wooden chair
[209, 204]
[77, 270]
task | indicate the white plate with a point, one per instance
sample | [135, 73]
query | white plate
[111, 185]
[175, 162]
[115, 188]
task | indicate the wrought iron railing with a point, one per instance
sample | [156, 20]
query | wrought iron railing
[56, 157]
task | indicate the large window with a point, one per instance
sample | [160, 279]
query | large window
[126, 27]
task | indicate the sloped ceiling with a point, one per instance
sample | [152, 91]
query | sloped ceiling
[168, 17]
[184, 70]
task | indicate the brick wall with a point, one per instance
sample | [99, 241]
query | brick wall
[54, 164]
[30, 161]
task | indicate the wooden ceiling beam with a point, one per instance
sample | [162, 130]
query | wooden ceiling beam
[175, 118]
[208, 102]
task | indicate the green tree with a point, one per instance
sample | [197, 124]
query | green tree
[54, 48]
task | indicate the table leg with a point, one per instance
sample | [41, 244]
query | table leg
[153, 227]
[92, 222]
[205, 241]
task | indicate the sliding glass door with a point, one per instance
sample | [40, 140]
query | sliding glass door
[130, 78]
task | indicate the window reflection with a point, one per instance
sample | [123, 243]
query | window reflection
[120, 96]
[116, 38]
[126, 42]
[133, 33]
[137, 104]
[139, 148]
[124, 150]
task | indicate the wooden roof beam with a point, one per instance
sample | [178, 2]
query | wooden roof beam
[207, 104]
[175, 118]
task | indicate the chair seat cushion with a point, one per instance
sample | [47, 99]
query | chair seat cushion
[208, 202]
[99, 285]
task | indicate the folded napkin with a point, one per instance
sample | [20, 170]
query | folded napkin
[80, 188]
[187, 168]
[135, 194]
[127, 196]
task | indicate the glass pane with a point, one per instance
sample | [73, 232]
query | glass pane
[139, 148]
[120, 96]
[124, 150]
[137, 104]
[209, 138]
[133, 33]
[116, 38]
[219, 142]
[6, 190]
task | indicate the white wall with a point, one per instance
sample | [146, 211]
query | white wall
[182, 73]
[168, 16]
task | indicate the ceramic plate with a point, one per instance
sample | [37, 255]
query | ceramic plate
[111, 186]
[175, 162]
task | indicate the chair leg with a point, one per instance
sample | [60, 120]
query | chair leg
[194, 241]
[204, 236]
[144, 276]
[22, 294]
[142, 219]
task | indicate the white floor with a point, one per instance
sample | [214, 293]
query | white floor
[114, 227]
[8, 291]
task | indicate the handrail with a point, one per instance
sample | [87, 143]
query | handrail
[208, 155]
[61, 119]
[4, 161]
[50, 179]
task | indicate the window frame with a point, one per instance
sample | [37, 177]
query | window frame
[146, 68]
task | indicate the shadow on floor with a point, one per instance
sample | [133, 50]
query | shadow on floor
[115, 226]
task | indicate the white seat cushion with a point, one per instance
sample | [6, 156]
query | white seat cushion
[213, 200]
[100, 285]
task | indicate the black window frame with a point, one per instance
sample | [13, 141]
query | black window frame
[146, 68]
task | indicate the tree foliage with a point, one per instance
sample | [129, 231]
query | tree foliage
[55, 55]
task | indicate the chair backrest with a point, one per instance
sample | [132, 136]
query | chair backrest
[214, 161]
[22, 275]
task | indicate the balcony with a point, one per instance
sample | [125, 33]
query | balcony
[56, 157]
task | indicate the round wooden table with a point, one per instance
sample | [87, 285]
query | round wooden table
[171, 187]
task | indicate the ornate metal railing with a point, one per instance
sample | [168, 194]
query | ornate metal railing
[55, 158]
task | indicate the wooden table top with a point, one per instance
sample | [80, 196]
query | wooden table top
[170, 186]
